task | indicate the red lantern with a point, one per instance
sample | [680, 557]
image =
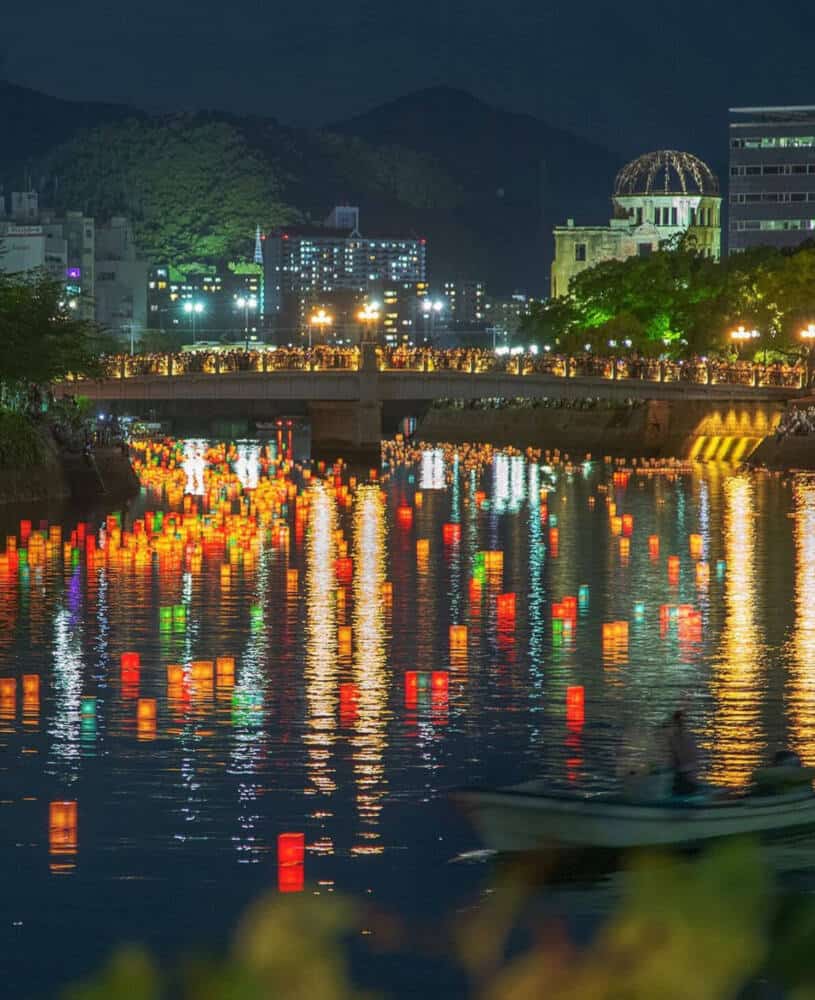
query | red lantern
[575, 711]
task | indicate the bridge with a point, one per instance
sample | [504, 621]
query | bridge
[345, 400]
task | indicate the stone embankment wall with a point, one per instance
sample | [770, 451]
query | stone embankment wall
[791, 453]
[654, 429]
[61, 476]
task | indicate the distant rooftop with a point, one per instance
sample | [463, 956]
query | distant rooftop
[779, 112]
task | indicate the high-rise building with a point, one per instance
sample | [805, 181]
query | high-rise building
[121, 281]
[305, 265]
[32, 239]
[657, 197]
[772, 177]
[465, 303]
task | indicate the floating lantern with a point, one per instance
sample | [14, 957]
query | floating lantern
[494, 562]
[625, 549]
[31, 686]
[225, 671]
[130, 670]
[653, 547]
[616, 524]
[554, 540]
[505, 607]
[404, 516]
[292, 581]
[418, 500]
[291, 854]
[575, 707]
[451, 534]
[349, 702]
[422, 549]
[627, 524]
[344, 570]
[62, 828]
[673, 569]
[202, 671]
[8, 688]
[175, 675]
[146, 710]
[569, 606]
[458, 637]
[695, 545]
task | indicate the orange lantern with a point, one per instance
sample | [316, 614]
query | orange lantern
[225, 671]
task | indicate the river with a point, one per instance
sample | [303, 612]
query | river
[348, 718]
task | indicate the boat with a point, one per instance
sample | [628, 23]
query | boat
[528, 817]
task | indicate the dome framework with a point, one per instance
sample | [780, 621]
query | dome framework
[666, 172]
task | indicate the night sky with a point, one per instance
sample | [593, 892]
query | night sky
[633, 76]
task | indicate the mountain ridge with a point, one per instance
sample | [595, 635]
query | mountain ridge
[484, 185]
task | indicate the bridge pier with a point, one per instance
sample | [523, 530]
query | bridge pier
[348, 426]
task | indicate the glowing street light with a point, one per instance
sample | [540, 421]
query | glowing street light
[193, 309]
[321, 319]
[808, 336]
[247, 303]
[369, 315]
[431, 309]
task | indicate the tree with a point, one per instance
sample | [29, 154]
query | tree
[40, 338]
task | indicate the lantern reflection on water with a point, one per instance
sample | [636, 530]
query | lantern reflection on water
[63, 834]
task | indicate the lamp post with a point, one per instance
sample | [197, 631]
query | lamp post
[321, 319]
[247, 303]
[193, 309]
[431, 310]
[740, 336]
[369, 317]
[808, 335]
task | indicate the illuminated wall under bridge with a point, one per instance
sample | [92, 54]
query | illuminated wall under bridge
[728, 433]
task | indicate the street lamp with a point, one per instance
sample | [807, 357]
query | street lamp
[740, 336]
[246, 302]
[431, 310]
[321, 319]
[808, 335]
[193, 309]
[369, 315]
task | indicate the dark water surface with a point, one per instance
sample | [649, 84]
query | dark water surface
[178, 821]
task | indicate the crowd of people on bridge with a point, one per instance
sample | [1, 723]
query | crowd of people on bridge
[463, 360]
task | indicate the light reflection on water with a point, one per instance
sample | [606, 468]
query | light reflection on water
[319, 732]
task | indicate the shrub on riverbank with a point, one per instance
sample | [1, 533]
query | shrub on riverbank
[21, 445]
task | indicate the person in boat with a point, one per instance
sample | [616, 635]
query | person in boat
[683, 755]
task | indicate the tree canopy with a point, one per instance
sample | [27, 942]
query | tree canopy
[677, 301]
[40, 338]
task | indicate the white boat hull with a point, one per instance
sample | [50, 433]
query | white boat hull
[521, 819]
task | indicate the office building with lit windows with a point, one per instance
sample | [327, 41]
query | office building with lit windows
[772, 177]
[465, 303]
[307, 265]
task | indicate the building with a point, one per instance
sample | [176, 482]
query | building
[121, 281]
[656, 197]
[306, 265]
[465, 303]
[32, 239]
[772, 177]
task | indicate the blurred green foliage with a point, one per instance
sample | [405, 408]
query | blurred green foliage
[707, 928]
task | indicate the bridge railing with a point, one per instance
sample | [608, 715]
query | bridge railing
[462, 361]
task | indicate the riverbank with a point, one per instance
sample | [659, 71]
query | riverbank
[651, 429]
[54, 474]
[790, 454]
